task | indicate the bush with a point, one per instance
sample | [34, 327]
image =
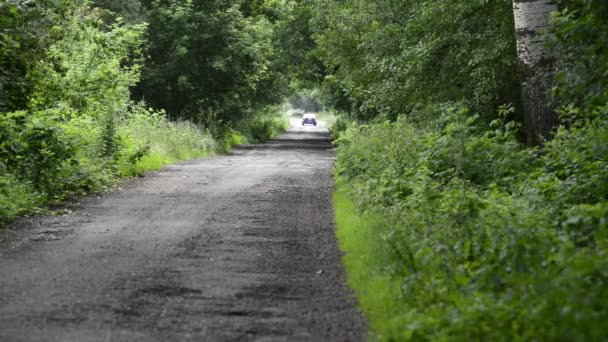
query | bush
[78, 132]
[32, 148]
[488, 239]
[265, 124]
[16, 197]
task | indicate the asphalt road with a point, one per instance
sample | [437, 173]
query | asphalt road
[232, 248]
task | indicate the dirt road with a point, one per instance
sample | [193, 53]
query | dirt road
[231, 248]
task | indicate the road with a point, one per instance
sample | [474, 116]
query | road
[238, 247]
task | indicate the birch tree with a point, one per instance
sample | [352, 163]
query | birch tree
[531, 24]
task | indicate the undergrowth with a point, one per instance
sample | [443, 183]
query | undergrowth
[71, 128]
[459, 232]
[152, 141]
[56, 160]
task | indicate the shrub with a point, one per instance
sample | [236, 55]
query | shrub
[16, 197]
[31, 146]
[488, 239]
[264, 124]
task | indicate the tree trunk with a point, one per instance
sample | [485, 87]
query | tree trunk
[531, 23]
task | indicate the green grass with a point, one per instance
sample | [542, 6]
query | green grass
[364, 258]
[161, 142]
[141, 140]
[327, 117]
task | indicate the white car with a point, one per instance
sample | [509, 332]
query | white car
[309, 119]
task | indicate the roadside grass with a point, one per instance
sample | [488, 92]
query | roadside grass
[100, 153]
[365, 257]
[166, 143]
[328, 117]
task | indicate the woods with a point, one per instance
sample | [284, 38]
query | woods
[471, 136]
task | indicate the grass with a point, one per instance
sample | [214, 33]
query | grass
[327, 117]
[141, 141]
[162, 142]
[364, 257]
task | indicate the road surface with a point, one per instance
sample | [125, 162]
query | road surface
[232, 248]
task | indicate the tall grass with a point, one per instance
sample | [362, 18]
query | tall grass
[154, 141]
[365, 257]
[94, 153]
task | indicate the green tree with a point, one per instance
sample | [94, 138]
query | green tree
[25, 33]
[212, 60]
[388, 57]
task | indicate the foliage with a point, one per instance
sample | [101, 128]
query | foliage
[212, 61]
[580, 46]
[383, 57]
[489, 239]
[71, 68]
[76, 131]
[16, 197]
[25, 32]
[296, 47]
[454, 230]
[267, 125]
[308, 101]
[131, 11]
[151, 141]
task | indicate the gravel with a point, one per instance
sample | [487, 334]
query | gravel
[239, 247]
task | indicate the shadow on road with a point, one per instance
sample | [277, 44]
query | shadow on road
[312, 140]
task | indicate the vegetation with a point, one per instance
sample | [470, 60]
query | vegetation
[487, 239]
[473, 177]
[454, 228]
[75, 74]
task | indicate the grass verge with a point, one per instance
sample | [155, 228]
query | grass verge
[365, 258]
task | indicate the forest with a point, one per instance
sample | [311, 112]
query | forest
[471, 136]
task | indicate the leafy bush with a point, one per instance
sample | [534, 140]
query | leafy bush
[78, 132]
[580, 35]
[265, 128]
[264, 124]
[16, 197]
[488, 239]
[31, 147]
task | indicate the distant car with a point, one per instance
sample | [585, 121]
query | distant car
[309, 119]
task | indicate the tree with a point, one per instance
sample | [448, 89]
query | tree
[531, 23]
[131, 11]
[212, 61]
[25, 33]
[386, 58]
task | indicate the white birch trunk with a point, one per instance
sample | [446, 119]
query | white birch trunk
[531, 23]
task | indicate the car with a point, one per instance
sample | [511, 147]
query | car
[309, 119]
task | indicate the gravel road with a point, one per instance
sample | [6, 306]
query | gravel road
[232, 248]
